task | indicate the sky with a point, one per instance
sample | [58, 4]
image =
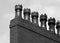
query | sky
[7, 12]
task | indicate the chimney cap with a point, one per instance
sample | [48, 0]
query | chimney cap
[58, 24]
[19, 6]
[27, 10]
[34, 14]
[51, 20]
[43, 17]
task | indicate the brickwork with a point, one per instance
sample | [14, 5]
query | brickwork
[25, 31]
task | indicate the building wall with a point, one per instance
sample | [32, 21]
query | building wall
[21, 34]
[27, 36]
[13, 34]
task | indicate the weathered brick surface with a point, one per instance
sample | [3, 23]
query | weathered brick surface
[13, 34]
[27, 36]
[22, 31]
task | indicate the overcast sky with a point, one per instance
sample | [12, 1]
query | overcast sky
[50, 7]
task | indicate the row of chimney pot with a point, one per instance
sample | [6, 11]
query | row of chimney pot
[34, 15]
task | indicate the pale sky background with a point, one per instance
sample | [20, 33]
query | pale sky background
[50, 7]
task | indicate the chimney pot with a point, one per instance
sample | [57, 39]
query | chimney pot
[43, 20]
[58, 27]
[18, 11]
[34, 16]
[27, 12]
[51, 23]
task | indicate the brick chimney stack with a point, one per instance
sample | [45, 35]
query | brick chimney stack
[43, 20]
[18, 11]
[58, 27]
[34, 16]
[27, 12]
[51, 23]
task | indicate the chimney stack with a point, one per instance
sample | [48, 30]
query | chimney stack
[18, 11]
[43, 20]
[58, 27]
[27, 12]
[51, 23]
[34, 16]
